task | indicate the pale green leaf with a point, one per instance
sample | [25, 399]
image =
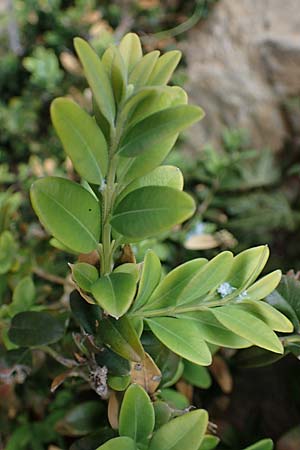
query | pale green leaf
[97, 78]
[84, 275]
[131, 50]
[119, 443]
[249, 327]
[164, 68]
[68, 211]
[150, 210]
[196, 375]
[265, 286]
[183, 337]
[82, 139]
[143, 68]
[264, 444]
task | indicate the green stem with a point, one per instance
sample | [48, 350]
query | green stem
[175, 310]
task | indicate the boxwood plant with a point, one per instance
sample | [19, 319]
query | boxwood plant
[137, 325]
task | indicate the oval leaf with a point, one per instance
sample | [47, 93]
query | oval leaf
[120, 443]
[184, 432]
[82, 139]
[136, 418]
[151, 210]
[68, 211]
[32, 328]
[183, 337]
[131, 50]
[84, 275]
[115, 292]
[165, 67]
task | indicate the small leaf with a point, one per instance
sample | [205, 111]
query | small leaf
[209, 442]
[116, 71]
[68, 211]
[247, 266]
[120, 336]
[196, 375]
[131, 50]
[182, 336]
[115, 292]
[264, 286]
[118, 383]
[8, 250]
[84, 275]
[87, 315]
[151, 275]
[136, 418]
[97, 78]
[184, 432]
[267, 314]
[161, 125]
[164, 68]
[31, 329]
[151, 210]
[82, 139]
[249, 327]
[169, 176]
[82, 419]
[119, 443]
[143, 69]
[23, 296]
[265, 444]
[146, 374]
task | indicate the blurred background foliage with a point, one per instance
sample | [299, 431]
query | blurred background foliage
[247, 196]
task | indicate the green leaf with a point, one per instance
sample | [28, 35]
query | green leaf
[151, 275]
[31, 328]
[116, 365]
[143, 69]
[164, 68]
[8, 250]
[249, 327]
[196, 375]
[131, 268]
[213, 331]
[68, 211]
[82, 139]
[131, 50]
[175, 399]
[116, 71]
[93, 440]
[87, 315]
[119, 443]
[286, 299]
[247, 265]
[169, 176]
[150, 210]
[84, 275]
[23, 296]
[267, 314]
[81, 419]
[264, 286]
[171, 287]
[183, 337]
[118, 383]
[115, 292]
[265, 444]
[157, 127]
[184, 432]
[256, 357]
[131, 168]
[97, 78]
[136, 418]
[209, 442]
[120, 336]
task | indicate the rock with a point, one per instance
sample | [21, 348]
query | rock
[244, 69]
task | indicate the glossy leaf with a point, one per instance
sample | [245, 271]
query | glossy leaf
[214, 331]
[264, 286]
[120, 336]
[151, 275]
[171, 287]
[131, 50]
[151, 210]
[97, 78]
[169, 176]
[165, 67]
[116, 365]
[31, 329]
[119, 443]
[114, 292]
[84, 275]
[186, 431]
[136, 418]
[161, 125]
[68, 211]
[182, 336]
[82, 139]
[249, 327]
[247, 265]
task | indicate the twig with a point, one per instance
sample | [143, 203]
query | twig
[49, 276]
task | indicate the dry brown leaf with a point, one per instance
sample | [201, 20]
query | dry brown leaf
[127, 255]
[185, 389]
[70, 63]
[113, 410]
[146, 374]
[221, 373]
[59, 379]
[89, 258]
[202, 242]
